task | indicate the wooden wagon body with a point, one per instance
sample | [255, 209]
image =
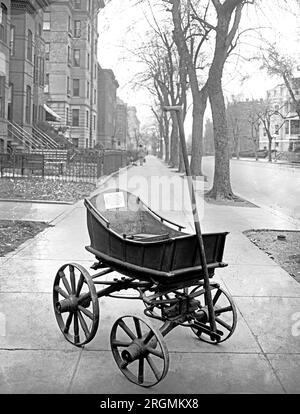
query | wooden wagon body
[137, 241]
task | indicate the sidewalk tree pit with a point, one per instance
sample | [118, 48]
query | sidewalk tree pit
[14, 233]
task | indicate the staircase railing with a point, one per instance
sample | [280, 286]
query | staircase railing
[45, 137]
[21, 135]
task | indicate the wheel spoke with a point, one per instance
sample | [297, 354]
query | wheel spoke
[224, 324]
[86, 312]
[217, 296]
[68, 323]
[76, 329]
[117, 343]
[138, 327]
[65, 282]
[153, 367]
[61, 292]
[148, 337]
[83, 324]
[72, 278]
[127, 330]
[155, 352]
[141, 371]
[223, 310]
[79, 286]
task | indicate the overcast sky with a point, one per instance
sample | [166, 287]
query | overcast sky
[122, 27]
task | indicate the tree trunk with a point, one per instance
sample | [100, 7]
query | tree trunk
[174, 150]
[270, 150]
[167, 138]
[221, 185]
[199, 106]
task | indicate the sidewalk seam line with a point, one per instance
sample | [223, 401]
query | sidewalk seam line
[74, 372]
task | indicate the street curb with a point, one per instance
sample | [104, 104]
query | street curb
[17, 200]
[286, 164]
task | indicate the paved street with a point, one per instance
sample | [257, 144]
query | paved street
[276, 186]
[261, 357]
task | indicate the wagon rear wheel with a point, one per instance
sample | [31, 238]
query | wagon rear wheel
[75, 304]
[225, 313]
[139, 351]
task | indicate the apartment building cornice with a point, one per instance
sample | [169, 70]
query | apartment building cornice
[30, 5]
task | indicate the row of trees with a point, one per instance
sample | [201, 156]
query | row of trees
[187, 51]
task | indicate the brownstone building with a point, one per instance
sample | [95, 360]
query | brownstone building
[71, 35]
[4, 70]
[107, 108]
[120, 136]
[21, 70]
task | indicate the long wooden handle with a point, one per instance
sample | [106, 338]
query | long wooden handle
[208, 296]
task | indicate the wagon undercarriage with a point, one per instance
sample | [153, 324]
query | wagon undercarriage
[138, 348]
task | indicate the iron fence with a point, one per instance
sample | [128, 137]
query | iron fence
[86, 166]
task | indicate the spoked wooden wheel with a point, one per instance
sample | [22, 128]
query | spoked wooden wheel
[139, 351]
[225, 313]
[76, 304]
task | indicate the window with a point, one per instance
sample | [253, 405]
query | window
[47, 51]
[95, 96]
[35, 70]
[77, 28]
[76, 57]
[295, 127]
[68, 86]
[88, 89]
[29, 45]
[3, 23]
[89, 33]
[69, 24]
[94, 122]
[77, 4]
[87, 118]
[67, 117]
[88, 61]
[28, 105]
[41, 71]
[2, 96]
[12, 40]
[47, 22]
[287, 127]
[75, 117]
[69, 56]
[76, 87]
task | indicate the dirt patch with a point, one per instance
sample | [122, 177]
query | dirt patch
[234, 202]
[281, 246]
[44, 190]
[14, 233]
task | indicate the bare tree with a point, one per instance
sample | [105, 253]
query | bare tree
[282, 66]
[228, 20]
[266, 116]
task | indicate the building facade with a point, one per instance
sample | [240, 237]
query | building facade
[120, 135]
[107, 108]
[242, 119]
[21, 70]
[285, 123]
[4, 70]
[71, 35]
[133, 128]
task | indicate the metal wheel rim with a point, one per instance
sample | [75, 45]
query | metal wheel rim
[120, 362]
[234, 317]
[94, 301]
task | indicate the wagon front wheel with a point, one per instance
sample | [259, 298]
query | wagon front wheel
[76, 304]
[139, 351]
[225, 314]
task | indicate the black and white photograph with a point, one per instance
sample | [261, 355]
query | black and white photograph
[149, 201]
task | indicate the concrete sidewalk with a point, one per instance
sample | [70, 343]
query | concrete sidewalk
[262, 356]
